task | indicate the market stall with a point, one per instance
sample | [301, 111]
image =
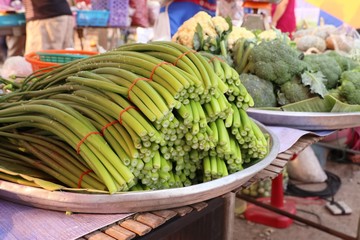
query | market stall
[155, 140]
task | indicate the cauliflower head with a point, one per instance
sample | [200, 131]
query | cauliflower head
[237, 33]
[220, 24]
[205, 20]
[185, 33]
[267, 35]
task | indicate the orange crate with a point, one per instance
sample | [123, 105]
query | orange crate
[37, 64]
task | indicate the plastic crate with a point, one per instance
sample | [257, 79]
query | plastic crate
[94, 18]
[44, 60]
[119, 11]
[59, 57]
[8, 20]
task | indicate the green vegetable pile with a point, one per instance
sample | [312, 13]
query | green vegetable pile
[294, 76]
[143, 116]
[349, 89]
[271, 56]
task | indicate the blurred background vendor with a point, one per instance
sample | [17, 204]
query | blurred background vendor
[49, 25]
[283, 16]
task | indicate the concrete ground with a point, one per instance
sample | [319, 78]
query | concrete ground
[313, 210]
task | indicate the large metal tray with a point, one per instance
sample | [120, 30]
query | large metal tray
[306, 120]
[129, 202]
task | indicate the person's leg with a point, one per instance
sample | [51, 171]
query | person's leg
[69, 32]
[60, 31]
[16, 45]
[36, 36]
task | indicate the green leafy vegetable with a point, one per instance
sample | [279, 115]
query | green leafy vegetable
[316, 82]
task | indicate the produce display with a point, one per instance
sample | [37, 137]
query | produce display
[167, 114]
[285, 70]
[142, 116]
[320, 38]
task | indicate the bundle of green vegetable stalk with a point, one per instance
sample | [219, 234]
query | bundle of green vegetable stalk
[142, 116]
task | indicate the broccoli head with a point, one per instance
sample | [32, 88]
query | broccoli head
[275, 61]
[346, 63]
[327, 65]
[260, 90]
[293, 91]
[349, 88]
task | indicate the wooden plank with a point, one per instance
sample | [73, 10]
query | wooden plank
[265, 174]
[279, 163]
[274, 169]
[297, 149]
[166, 214]
[97, 235]
[285, 155]
[136, 227]
[199, 206]
[150, 219]
[303, 144]
[119, 233]
[182, 211]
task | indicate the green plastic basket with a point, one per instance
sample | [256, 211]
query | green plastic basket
[59, 58]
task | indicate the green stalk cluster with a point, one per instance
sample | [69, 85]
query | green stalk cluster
[55, 160]
[236, 92]
[142, 116]
[253, 142]
[190, 66]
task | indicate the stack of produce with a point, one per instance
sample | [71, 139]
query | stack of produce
[286, 76]
[321, 38]
[143, 116]
[274, 69]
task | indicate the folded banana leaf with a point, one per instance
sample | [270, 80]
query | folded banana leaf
[317, 104]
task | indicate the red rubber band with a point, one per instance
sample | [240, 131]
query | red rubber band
[158, 65]
[123, 111]
[133, 84]
[82, 176]
[183, 54]
[107, 125]
[83, 140]
[217, 58]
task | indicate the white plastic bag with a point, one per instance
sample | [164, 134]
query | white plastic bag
[162, 26]
[343, 39]
[306, 167]
[16, 66]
